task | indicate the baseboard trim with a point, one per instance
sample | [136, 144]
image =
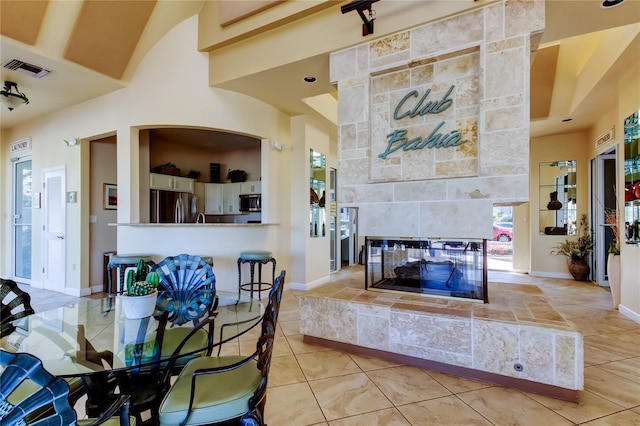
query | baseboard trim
[308, 286]
[633, 316]
[550, 275]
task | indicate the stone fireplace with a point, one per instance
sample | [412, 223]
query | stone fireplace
[434, 122]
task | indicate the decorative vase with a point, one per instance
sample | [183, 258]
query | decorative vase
[579, 270]
[136, 307]
[613, 271]
[554, 204]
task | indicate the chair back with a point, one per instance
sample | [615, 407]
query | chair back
[53, 392]
[264, 347]
[187, 288]
[14, 304]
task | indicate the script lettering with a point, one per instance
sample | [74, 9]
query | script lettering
[397, 140]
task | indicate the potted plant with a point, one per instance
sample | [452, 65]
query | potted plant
[237, 175]
[139, 300]
[577, 250]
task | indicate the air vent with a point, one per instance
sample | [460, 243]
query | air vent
[25, 68]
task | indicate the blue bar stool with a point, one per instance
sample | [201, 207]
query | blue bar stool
[122, 262]
[260, 258]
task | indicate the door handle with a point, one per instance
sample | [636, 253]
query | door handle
[60, 237]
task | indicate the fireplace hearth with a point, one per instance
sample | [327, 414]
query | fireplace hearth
[431, 267]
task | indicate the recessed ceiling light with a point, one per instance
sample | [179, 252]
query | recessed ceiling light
[606, 4]
[566, 120]
[310, 79]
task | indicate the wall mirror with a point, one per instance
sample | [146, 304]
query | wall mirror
[318, 186]
[632, 178]
[558, 198]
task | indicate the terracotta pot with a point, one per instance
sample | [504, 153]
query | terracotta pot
[579, 270]
[613, 271]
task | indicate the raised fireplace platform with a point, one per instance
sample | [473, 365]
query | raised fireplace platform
[516, 340]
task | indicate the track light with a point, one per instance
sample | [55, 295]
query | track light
[11, 97]
[361, 6]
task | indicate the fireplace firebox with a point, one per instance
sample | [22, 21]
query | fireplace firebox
[431, 267]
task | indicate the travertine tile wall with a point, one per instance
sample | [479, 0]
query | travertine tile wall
[439, 192]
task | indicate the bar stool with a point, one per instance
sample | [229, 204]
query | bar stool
[260, 258]
[122, 262]
[207, 259]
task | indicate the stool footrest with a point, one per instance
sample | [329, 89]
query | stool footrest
[261, 286]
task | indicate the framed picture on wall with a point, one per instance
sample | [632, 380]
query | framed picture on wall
[110, 196]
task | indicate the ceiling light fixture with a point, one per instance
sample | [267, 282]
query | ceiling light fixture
[361, 6]
[11, 98]
[310, 79]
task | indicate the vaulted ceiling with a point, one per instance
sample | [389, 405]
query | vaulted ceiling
[74, 40]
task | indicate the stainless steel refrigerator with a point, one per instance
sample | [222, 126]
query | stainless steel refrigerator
[173, 207]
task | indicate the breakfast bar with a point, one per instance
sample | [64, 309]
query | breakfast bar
[223, 242]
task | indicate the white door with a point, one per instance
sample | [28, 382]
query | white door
[54, 214]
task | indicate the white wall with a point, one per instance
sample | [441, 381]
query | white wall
[153, 98]
[548, 149]
[628, 101]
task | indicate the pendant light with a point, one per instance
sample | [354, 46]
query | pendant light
[11, 97]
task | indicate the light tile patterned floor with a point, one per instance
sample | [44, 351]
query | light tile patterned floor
[313, 385]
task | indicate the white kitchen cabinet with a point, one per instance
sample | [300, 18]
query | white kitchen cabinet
[231, 196]
[171, 183]
[161, 182]
[251, 187]
[183, 184]
[213, 200]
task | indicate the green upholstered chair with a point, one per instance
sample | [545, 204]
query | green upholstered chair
[187, 293]
[212, 390]
[29, 394]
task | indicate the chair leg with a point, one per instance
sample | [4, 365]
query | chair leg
[109, 281]
[239, 280]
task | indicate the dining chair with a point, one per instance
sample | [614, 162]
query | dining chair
[46, 400]
[14, 304]
[212, 390]
[187, 292]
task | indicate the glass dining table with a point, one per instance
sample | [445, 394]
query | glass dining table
[93, 337]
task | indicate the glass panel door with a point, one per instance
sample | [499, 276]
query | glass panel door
[22, 207]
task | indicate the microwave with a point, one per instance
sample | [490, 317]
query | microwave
[251, 203]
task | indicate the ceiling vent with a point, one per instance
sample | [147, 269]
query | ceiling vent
[25, 68]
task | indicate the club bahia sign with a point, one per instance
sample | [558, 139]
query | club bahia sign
[398, 138]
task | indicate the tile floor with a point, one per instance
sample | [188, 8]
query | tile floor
[312, 385]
